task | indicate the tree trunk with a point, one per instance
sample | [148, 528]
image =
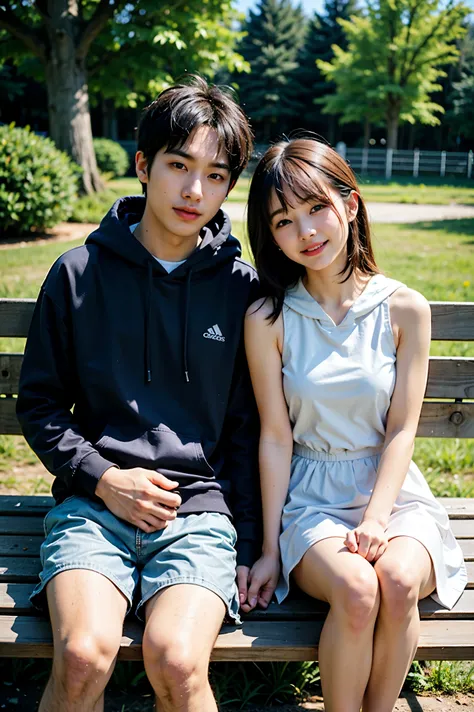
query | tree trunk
[393, 117]
[367, 129]
[109, 120]
[68, 96]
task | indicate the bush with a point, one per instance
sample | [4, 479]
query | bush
[111, 157]
[38, 183]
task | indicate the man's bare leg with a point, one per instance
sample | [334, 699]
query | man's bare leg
[183, 622]
[87, 613]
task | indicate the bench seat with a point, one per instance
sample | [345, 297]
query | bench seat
[283, 632]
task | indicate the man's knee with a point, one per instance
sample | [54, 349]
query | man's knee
[82, 662]
[174, 670]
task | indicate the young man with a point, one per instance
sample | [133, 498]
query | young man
[135, 394]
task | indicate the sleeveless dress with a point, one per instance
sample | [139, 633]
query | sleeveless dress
[338, 382]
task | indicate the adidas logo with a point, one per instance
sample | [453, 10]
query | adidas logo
[214, 333]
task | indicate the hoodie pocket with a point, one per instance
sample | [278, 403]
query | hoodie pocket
[159, 448]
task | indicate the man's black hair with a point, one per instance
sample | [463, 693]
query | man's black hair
[179, 110]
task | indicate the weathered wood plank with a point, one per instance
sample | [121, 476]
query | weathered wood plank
[14, 599]
[452, 321]
[438, 419]
[15, 316]
[22, 569]
[447, 377]
[27, 636]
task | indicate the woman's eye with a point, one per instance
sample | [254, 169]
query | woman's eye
[316, 208]
[282, 223]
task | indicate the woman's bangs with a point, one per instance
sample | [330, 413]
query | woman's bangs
[292, 177]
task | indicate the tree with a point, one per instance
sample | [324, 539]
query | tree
[462, 96]
[132, 46]
[393, 61]
[324, 31]
[275, 32]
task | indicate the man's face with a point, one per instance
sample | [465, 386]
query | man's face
[186, 186]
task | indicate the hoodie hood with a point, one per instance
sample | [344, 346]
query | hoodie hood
[376, 291]
[217, 246]
[113, 233]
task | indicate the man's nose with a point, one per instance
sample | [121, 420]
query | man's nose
[193, 190]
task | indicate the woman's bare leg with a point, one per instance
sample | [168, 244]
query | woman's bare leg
[405, 574]
[329, 572]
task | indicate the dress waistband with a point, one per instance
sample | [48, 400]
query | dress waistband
[307, 452]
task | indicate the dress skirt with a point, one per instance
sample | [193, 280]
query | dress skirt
[328, 495]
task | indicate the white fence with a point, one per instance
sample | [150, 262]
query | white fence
[388, 162]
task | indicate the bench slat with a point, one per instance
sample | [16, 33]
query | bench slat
[14, 598]
[448, 377]
[255, 640]
[451, 321]
[438, 419]
[33, 526]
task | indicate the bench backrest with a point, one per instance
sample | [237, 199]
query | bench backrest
[448, 409]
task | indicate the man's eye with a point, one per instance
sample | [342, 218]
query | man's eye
[216, 176]
[177, 164]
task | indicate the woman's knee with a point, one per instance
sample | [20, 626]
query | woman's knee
[399, 587]
[355, 596]
[83, 661]
[174, 670]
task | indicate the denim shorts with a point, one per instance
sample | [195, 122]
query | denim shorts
[194, 549]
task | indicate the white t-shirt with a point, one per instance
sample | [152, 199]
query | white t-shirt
[166, 264]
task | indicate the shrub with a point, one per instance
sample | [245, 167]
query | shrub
[111, 157]
[38, 183]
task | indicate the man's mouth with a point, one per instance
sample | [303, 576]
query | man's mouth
[315, 248]
[186, 213]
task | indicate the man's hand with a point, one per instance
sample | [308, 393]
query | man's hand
[369, 540]
[141, 497]
[263, 579]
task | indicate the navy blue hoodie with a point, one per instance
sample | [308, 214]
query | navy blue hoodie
[128, 365]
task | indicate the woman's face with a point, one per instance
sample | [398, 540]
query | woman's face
[311, 233]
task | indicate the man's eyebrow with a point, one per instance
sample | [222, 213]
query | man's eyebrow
[183, 154]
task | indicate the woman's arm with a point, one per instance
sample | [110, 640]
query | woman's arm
[263, 344]
[411, 323]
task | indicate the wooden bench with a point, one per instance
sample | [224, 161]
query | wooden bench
[287, 632]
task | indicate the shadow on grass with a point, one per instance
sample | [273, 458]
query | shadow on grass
[464, 226]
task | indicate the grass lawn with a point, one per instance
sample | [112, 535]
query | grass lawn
[436, 258]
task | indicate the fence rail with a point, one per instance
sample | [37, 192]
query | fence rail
[415, 163]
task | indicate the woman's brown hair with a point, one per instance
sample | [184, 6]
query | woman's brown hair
[301, 167]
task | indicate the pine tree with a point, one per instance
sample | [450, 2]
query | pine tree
[324, 32]
[275, 33]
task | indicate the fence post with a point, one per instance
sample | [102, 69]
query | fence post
[416, 162]
[388, 163]
[470, 157]
[442, 170]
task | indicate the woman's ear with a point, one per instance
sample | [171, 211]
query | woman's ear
[352, 205]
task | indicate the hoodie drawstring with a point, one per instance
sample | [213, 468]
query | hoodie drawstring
[186, 322]
[148, 324]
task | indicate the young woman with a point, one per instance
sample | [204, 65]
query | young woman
[338, 355]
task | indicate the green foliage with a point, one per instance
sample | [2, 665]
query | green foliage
[393, 61]
[275, 31]
[38, 183]
[111, 157]
[324, 31]
[441, 676]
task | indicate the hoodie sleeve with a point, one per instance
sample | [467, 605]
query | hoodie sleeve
[48, 388]
[241, 433]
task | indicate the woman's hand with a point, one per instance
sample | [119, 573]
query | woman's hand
[263, 579]
[369, 540]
